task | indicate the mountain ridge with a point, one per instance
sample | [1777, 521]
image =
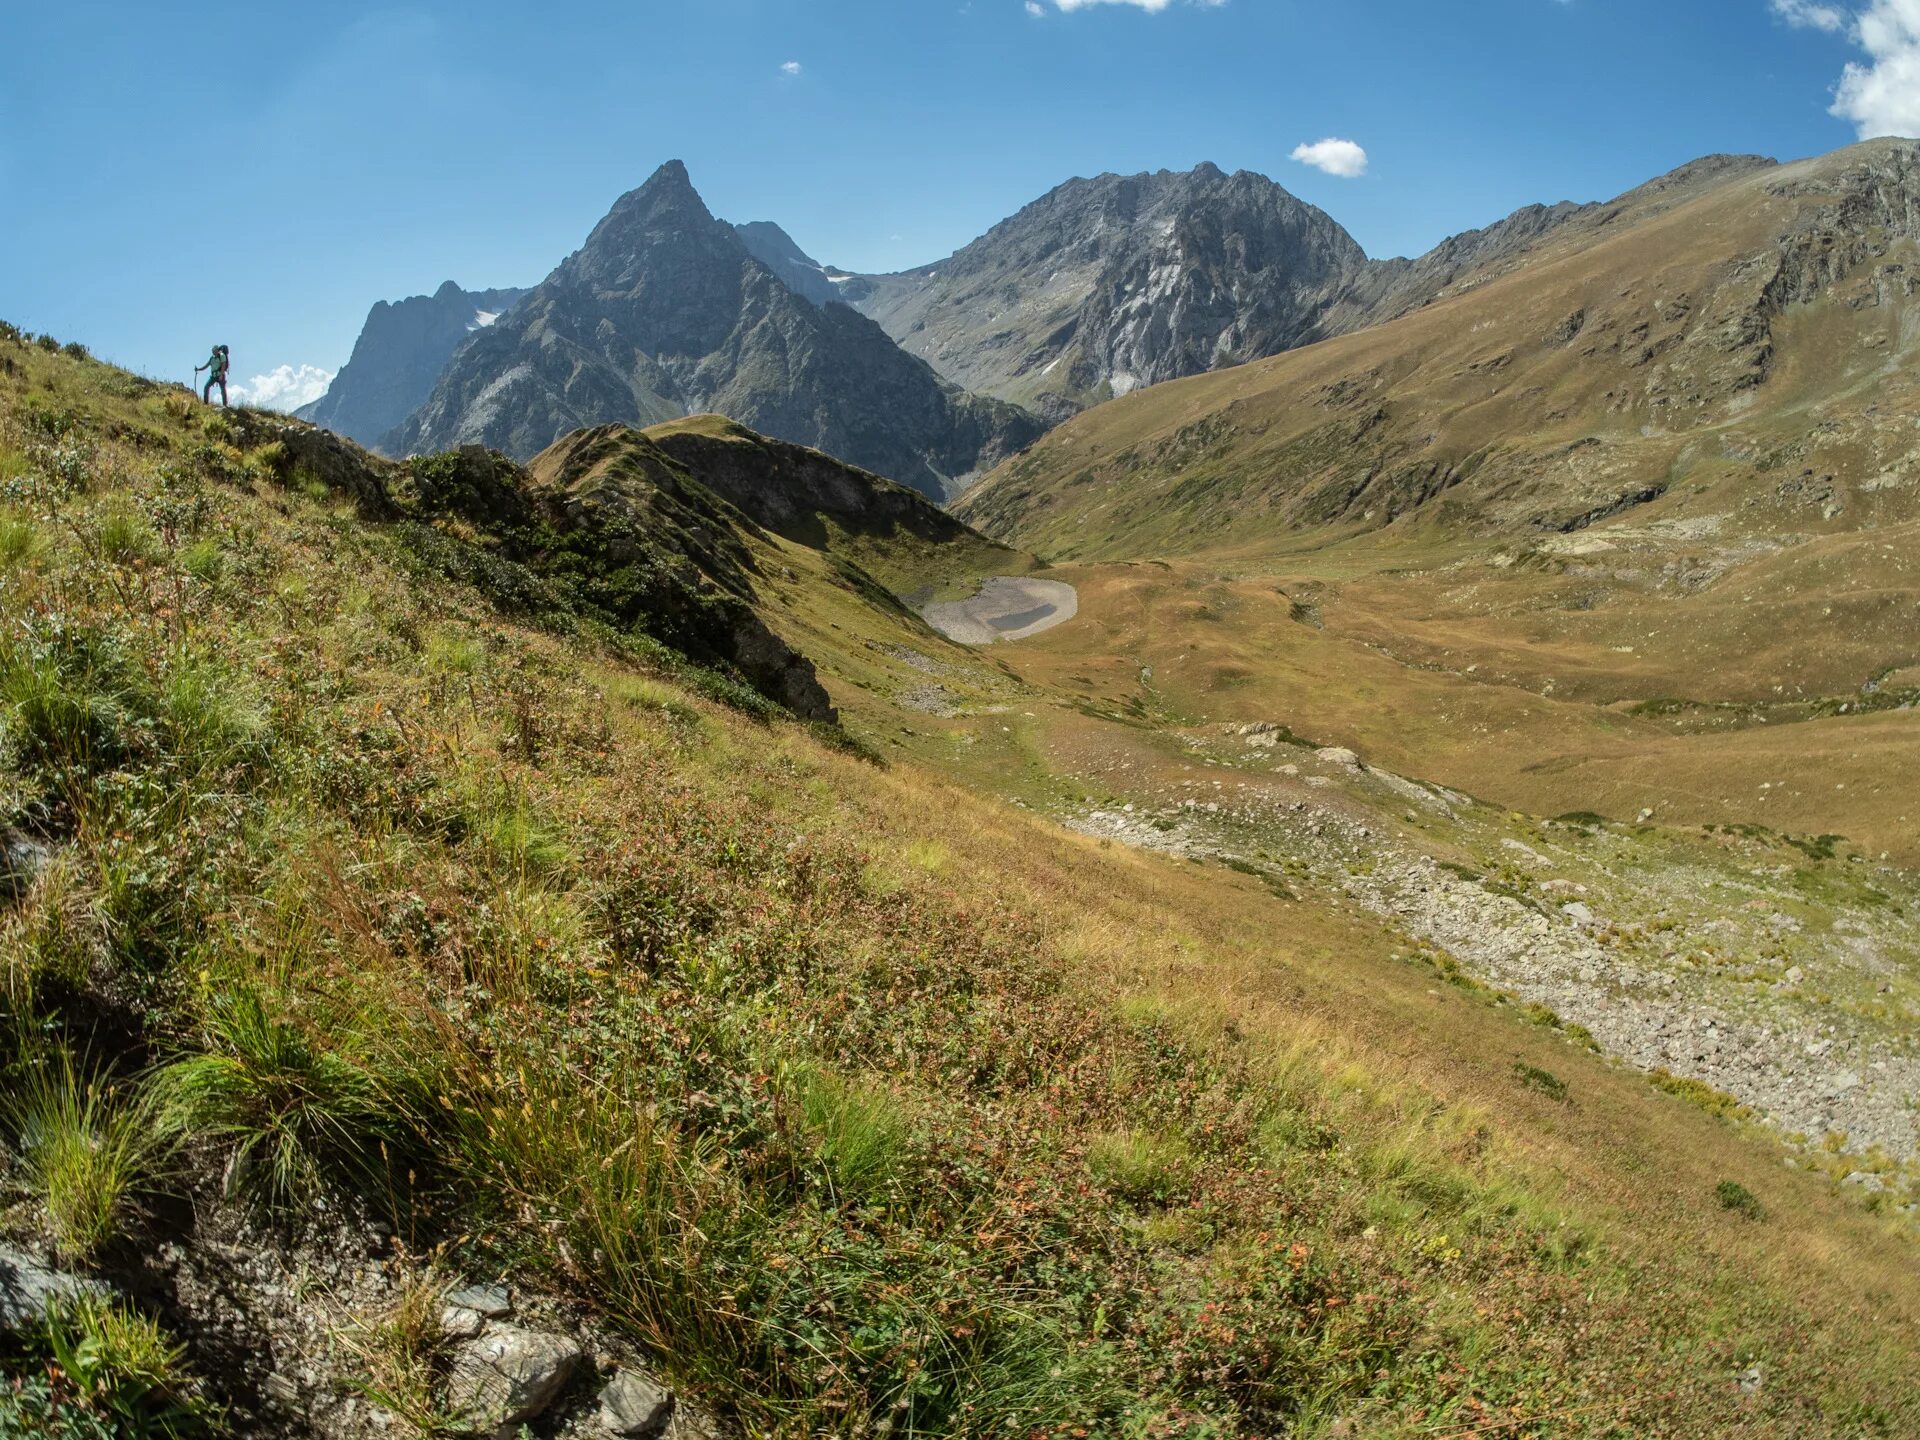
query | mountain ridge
[1213, 270]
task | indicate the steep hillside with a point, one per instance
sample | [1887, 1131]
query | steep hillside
[399, 355]
[452, 993]
[1673, 338]
[1107, 285]
[664, 313]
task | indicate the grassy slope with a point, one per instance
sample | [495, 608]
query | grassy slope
[858, 1095]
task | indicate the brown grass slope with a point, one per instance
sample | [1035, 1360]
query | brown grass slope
[1665, 339]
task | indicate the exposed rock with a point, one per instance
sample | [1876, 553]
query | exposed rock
[28, 1288]
[459, 1323]
[21, 858]
[401, 351]
[490, 1301]
[635, 1404]
[1106, 285]
[508, 1376]
[1338, 755]
[798, 271]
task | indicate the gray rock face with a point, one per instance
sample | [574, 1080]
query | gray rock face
[489, 1301]
[28, 1288]
[509, 1376]
[664, 313]
[635, 1405]
[21, 858]
[1105, 285]
[401, 351]
[798, 271]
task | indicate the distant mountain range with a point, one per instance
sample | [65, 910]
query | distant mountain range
[929, 376]
[401, 351]
[1106, 285]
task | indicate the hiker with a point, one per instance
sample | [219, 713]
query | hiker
[216, 368]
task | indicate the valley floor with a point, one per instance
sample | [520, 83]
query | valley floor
[1767, 977]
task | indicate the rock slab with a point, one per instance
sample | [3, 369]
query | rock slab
[509, 1376]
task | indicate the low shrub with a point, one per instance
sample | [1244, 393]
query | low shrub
[1734, 1196]
[1544, 1081]
[1140, 1166]
[115, 1373]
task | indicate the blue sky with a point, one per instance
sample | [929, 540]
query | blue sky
[260, 174]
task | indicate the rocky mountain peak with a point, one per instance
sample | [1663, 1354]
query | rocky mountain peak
[664, 312]
[1104, 285]
[402, 348]
[664, 222]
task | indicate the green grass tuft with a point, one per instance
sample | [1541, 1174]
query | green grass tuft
[89, 1150]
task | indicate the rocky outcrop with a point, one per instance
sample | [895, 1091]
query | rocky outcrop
[29, 1289]
[401, 351]
[798, 492]
[664, 313]
[507, 1376]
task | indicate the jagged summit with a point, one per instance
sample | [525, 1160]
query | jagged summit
[663, 312]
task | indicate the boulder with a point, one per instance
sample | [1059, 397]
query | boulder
[634, 1404]
[1338, 755]
[508, 1376]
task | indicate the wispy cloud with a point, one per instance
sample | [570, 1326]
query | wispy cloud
[285, 387]
[1153, 7]
[1036, 9]
[1337, 157]
[1807, 15]
[792, 67]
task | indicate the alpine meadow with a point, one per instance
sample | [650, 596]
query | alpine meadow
[1161, 828]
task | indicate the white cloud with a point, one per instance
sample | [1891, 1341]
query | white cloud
[1882, 97]
[1036, 9]
[792, 67]
[1337, 157]
[285, 387]
[1807, 15]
